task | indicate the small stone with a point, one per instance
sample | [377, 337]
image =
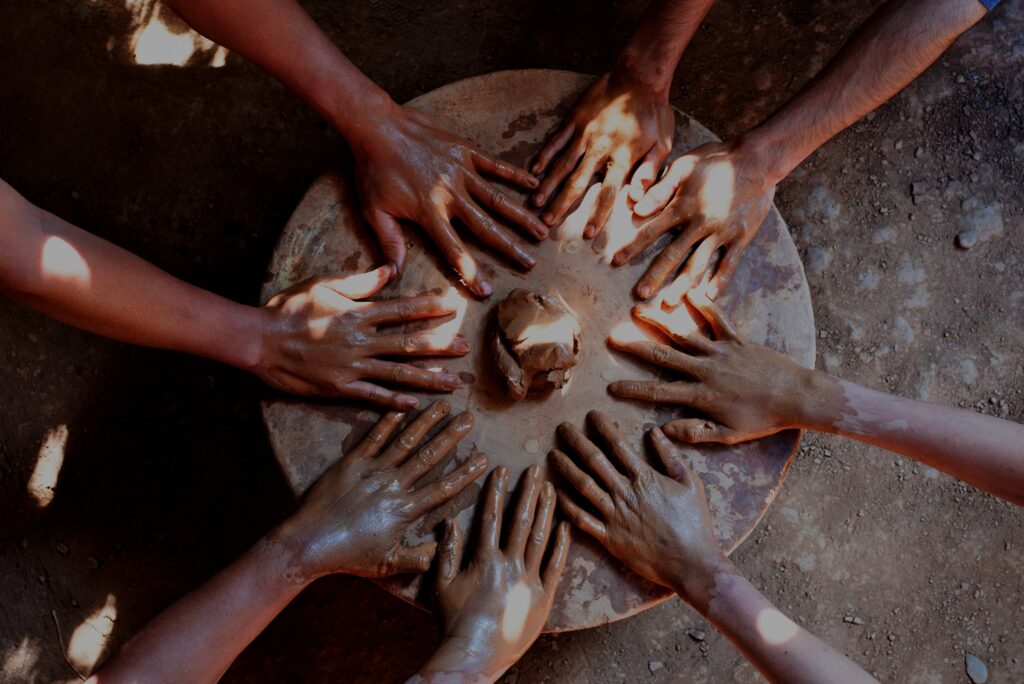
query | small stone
[960, 78]
[531, 446]
[92, 562]
[976, 669]
[857, 620]
[823, 333]
[919, 152]
[62, 548]
[967, 238]
[891, 637]
[655, 665]
[696, 634]
[74, 194]
[898, 145]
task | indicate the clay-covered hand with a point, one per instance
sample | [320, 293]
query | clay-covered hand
[319, 340]
[354, 517]
[659, 526]
[495, 607]
[719, 199]
[746, 390]
[617, 123]
[410, 168]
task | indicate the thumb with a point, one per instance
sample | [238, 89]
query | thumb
[412, 559]
[361, 285]
[389, 235]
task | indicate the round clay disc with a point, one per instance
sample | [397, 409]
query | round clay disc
[510, 113]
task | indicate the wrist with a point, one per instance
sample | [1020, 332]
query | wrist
[760, 154]
[281, 561]
[699, 585]
[361, 125]
[644, 69]
[240, 340]
[820, 397]
[457, 656]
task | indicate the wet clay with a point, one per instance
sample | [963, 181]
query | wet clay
[535, 339]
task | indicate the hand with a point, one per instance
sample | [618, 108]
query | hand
[319, 341]
[617, 123]
[746, 390]
[410, 168]
[354, 517]
[658, 526]
[719, 196]
[492, 610]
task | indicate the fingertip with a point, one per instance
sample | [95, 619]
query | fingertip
[643, 292]
[620, 258]
[549, 219]
[460, 346]
[532, 181]
[538, 199]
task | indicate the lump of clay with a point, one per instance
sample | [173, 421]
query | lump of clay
[535, 339]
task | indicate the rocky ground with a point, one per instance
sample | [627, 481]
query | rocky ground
[909, 225]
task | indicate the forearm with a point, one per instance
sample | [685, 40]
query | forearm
[453, 662]
[281, 38]
[197, 638]
[780, 649]
[984, 451]
[896, 44]
[664, 32]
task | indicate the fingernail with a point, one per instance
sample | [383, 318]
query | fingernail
[408, 402]
[643, 292]
[549, 218]
[590, 230]
[451, 381]
[533, 182]
[485, 289]
[460, 346]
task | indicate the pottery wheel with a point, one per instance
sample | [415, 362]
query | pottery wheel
[510, 113]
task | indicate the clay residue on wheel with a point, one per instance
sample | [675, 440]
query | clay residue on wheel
[535, 340]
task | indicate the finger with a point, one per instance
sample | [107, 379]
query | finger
[450, 553]
[583, 483]
[522, 518]
[434, 451]
[624, 453]
[552, 147]
[556, 564]
[658, 392]
[420, 344]
[404, 309]
[455, 253]
[614, 179]
[661, 192]
[593, 458]
[501, 204]
[726, 267]
[581, 519]
[496, 166]
[493, 235]
[414, 433]
[698, 431]
[375, 394]
[647, 172]
[665, 322]
[667, 455]
[648, 233]
[289, 382]
[389, 235]
[573, 189]
[696, 266]
[370, 445]
[407, 374]
[567, 161]
[361, 285]
[411, 559]
[451, 485]
[668, 260]
[660, 355]
[542, 523]
[494, 504]
[715, 316]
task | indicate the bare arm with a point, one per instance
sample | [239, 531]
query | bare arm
[352, 521]
[723, 191]
[622, 121]
[314, 339]
[408, 166]
[661, 528]
[749, 391]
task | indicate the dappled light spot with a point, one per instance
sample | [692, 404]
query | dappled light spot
[62, 261]
[90, 638]
[774, 627]
[43, 482]
[514, 618]
[159, 37]
[446, 332]
[717, 195]
[19, 662]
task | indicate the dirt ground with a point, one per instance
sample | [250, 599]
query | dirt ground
[168, 475]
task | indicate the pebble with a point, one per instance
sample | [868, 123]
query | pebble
[919, 152]
[976, 669]
[531, 446]
[696, 634]
[853, 620]
[967, 238]
[655, 665]
[62, 548]
[92, 562]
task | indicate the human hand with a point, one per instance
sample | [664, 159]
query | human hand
[720, 197]
[318, 340]
[659, 527]
[747, 390]
[354, 517]
[494, 608]
[618, 122]
[410, 168]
